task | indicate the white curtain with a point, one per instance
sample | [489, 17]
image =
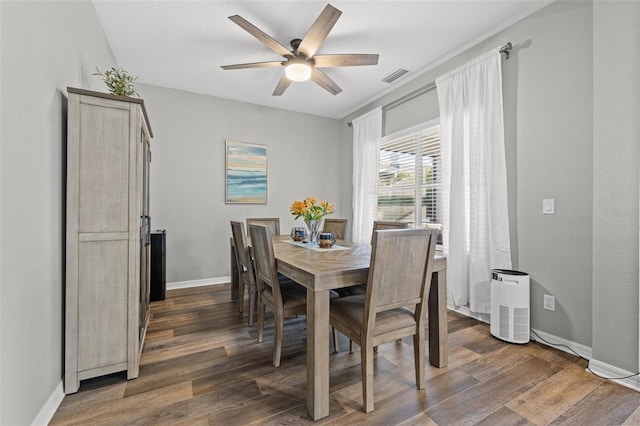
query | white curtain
[475, 211]
[367, 132]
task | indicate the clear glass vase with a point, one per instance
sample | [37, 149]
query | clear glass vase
[314, 227]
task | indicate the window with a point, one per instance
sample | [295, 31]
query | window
[409, 176]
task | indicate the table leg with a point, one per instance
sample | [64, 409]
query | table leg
[235, 282]
[438, 338]
[317, 354]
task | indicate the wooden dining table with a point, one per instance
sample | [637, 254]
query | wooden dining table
[320, 271]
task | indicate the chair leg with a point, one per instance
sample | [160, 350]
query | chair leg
[336, 347]
[366, 355]
[252, 302]
[277, 338]
[418, 354]
[241, 293]
[260, 320]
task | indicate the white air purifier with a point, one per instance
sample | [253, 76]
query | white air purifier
[510, 311]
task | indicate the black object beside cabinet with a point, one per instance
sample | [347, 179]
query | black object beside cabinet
[158, 265]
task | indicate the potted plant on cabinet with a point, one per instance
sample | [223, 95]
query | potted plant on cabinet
[119, 81]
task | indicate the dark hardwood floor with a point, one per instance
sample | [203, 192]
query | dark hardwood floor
[201, 365]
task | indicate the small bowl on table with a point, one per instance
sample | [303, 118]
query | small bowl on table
[298, 234]
[326, 239]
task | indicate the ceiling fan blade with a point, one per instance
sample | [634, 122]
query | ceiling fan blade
[324, 61]
[324, 81]
[252, 65]
[319, 31]
[283, 84]
[260, 35]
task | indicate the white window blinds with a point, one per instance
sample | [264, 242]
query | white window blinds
[409, 176]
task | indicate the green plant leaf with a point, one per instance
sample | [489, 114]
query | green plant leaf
[119, 81]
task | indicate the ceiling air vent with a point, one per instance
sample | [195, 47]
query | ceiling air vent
[395, 75]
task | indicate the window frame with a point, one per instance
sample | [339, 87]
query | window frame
[418, 184]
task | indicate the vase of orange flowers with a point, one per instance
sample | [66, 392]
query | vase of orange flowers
[312, 212]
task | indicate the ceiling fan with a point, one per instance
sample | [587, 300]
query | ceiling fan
[301, 63]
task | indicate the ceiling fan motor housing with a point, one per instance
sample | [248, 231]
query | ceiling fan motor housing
[295, 43]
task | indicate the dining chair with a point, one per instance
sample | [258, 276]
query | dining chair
[284, 297]
[272, 222]
[380, 225]
[395, 305]
[246, 277]
[337, 226]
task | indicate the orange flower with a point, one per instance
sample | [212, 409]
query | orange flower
[309, 209]
[298, 208]
[327, 206]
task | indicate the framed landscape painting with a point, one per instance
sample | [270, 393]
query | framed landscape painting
[246, 173]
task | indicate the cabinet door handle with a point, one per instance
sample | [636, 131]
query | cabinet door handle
[148, 243]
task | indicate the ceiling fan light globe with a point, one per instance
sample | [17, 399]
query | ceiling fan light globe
[298, 71]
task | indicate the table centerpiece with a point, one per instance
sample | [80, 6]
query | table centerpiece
[312, 213]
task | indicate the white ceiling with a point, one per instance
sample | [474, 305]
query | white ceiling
[181, 44]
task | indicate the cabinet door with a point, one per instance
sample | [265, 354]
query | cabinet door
[145, 235]
[99, 169]
[103, 169]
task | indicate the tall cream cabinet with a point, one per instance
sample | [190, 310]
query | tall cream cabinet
[107, 235]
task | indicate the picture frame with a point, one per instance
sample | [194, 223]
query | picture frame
[245, 173]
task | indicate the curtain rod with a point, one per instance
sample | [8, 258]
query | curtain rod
[428, 87]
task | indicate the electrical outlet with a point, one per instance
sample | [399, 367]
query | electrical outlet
[549, 302]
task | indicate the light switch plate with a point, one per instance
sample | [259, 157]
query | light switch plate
[549, 206]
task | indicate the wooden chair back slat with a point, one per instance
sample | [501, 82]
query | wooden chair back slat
[337, 226]
[246, 273]
[401, 261]
[265, 261]
[239, 240]
[381, 225]
[272, 222]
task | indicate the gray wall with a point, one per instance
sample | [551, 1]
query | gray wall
[548, 98]
[45, 47]
[615, 175]
[188, 172]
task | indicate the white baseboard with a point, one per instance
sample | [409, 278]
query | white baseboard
[49, 408]
[198, 283]
[582, 350]
[464, 310]
[612, 373]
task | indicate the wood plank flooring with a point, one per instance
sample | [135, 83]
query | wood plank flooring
[201, 365]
